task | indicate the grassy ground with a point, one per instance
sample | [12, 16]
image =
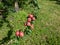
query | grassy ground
[46, 27]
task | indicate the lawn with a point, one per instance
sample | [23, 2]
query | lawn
[46, 27]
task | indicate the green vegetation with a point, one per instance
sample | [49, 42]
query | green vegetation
[46, 27]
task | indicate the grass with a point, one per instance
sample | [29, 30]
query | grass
[46, 27]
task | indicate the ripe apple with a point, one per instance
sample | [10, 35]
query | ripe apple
[21, 34]
[33, 18]
[17, 33]
[28, 24]
[30, 16]
[29, 19]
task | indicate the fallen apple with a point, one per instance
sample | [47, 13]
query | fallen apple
[17, 33]
[28, 24]
[33, 19]
[30, 16]
[29, 19]
[21, 34]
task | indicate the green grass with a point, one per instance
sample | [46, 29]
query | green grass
[46, 27]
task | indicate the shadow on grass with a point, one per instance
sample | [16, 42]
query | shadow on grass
[6, 39]
[58, 2]
[1, 23]
[3, 15]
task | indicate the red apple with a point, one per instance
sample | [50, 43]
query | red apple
[30, 16]
[28, 24]
[33, 18]
[17, 33]
[29, 19]
[21, 34]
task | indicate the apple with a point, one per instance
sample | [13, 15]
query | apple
[29, 19]
[21, 34]
[17, 33]
[28, 24]
[30, 16]
[33, 18]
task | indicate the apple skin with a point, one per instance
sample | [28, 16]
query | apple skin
[17, 33]
[30, 16]
[28, 24]
[33, 19]
[21, 34]
[29, 19]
